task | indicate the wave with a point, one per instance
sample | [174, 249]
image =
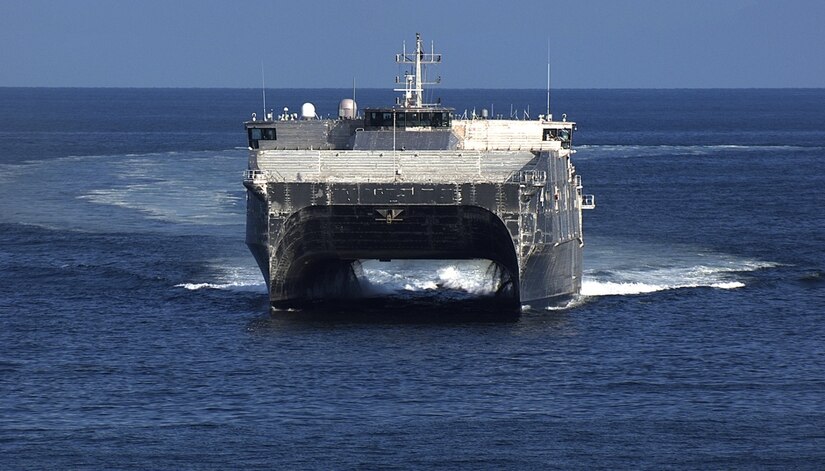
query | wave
[456, 280]
[618, 275]
[228, 274]
[198, 286]
[628, 270]
[449, 277]
[448, 280]
[610, 288]
[593, 288]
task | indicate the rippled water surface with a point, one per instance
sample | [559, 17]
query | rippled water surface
[136, 332]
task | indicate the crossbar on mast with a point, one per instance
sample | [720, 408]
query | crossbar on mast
[414, 83]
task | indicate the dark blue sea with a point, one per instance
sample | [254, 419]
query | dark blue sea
[135, 331]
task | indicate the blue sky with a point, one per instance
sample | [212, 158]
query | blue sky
[486, 44]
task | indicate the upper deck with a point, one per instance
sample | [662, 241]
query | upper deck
[411, 124]
[395, 130]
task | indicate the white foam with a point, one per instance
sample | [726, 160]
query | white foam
[237, 286]
[729, 285]
[618, 268]
[469, 277]
[230, 275]
[610, 288]
[197, 286]
[627, 269]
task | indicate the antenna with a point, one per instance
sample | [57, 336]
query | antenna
[548, 90]
[263, 87]
[414, 80]
[549, 116]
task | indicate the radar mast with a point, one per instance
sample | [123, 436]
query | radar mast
[413, 81]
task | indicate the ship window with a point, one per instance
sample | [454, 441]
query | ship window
[260, 134]
[549, 135]
[424, 120]
[437, 119]
[379, 119]
[266, 134]
[565, 135]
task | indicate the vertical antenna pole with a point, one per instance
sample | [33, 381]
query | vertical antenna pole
[548, 90]
[263, 88]
[549, 116]
[419, 54]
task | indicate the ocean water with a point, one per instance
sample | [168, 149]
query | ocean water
[136, 332]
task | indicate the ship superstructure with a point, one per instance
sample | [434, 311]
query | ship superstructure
[413, 181]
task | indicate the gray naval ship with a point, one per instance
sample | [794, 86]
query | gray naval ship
[413, 181]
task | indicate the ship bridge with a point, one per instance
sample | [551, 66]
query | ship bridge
[408, 118]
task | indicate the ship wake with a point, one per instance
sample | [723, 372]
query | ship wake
[227, 274]
[620, 270]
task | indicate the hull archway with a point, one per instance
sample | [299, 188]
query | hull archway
[315, 250]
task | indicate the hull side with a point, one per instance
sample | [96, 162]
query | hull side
[552, 275]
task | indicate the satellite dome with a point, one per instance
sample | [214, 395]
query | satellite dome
[347, 109]
[307, 111]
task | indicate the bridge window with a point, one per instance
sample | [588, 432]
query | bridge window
[258, 134]
[435, 119]
[563, 135]
[379, 119]
[409, 119]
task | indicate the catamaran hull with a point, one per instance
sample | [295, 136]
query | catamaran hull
[307, 246]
